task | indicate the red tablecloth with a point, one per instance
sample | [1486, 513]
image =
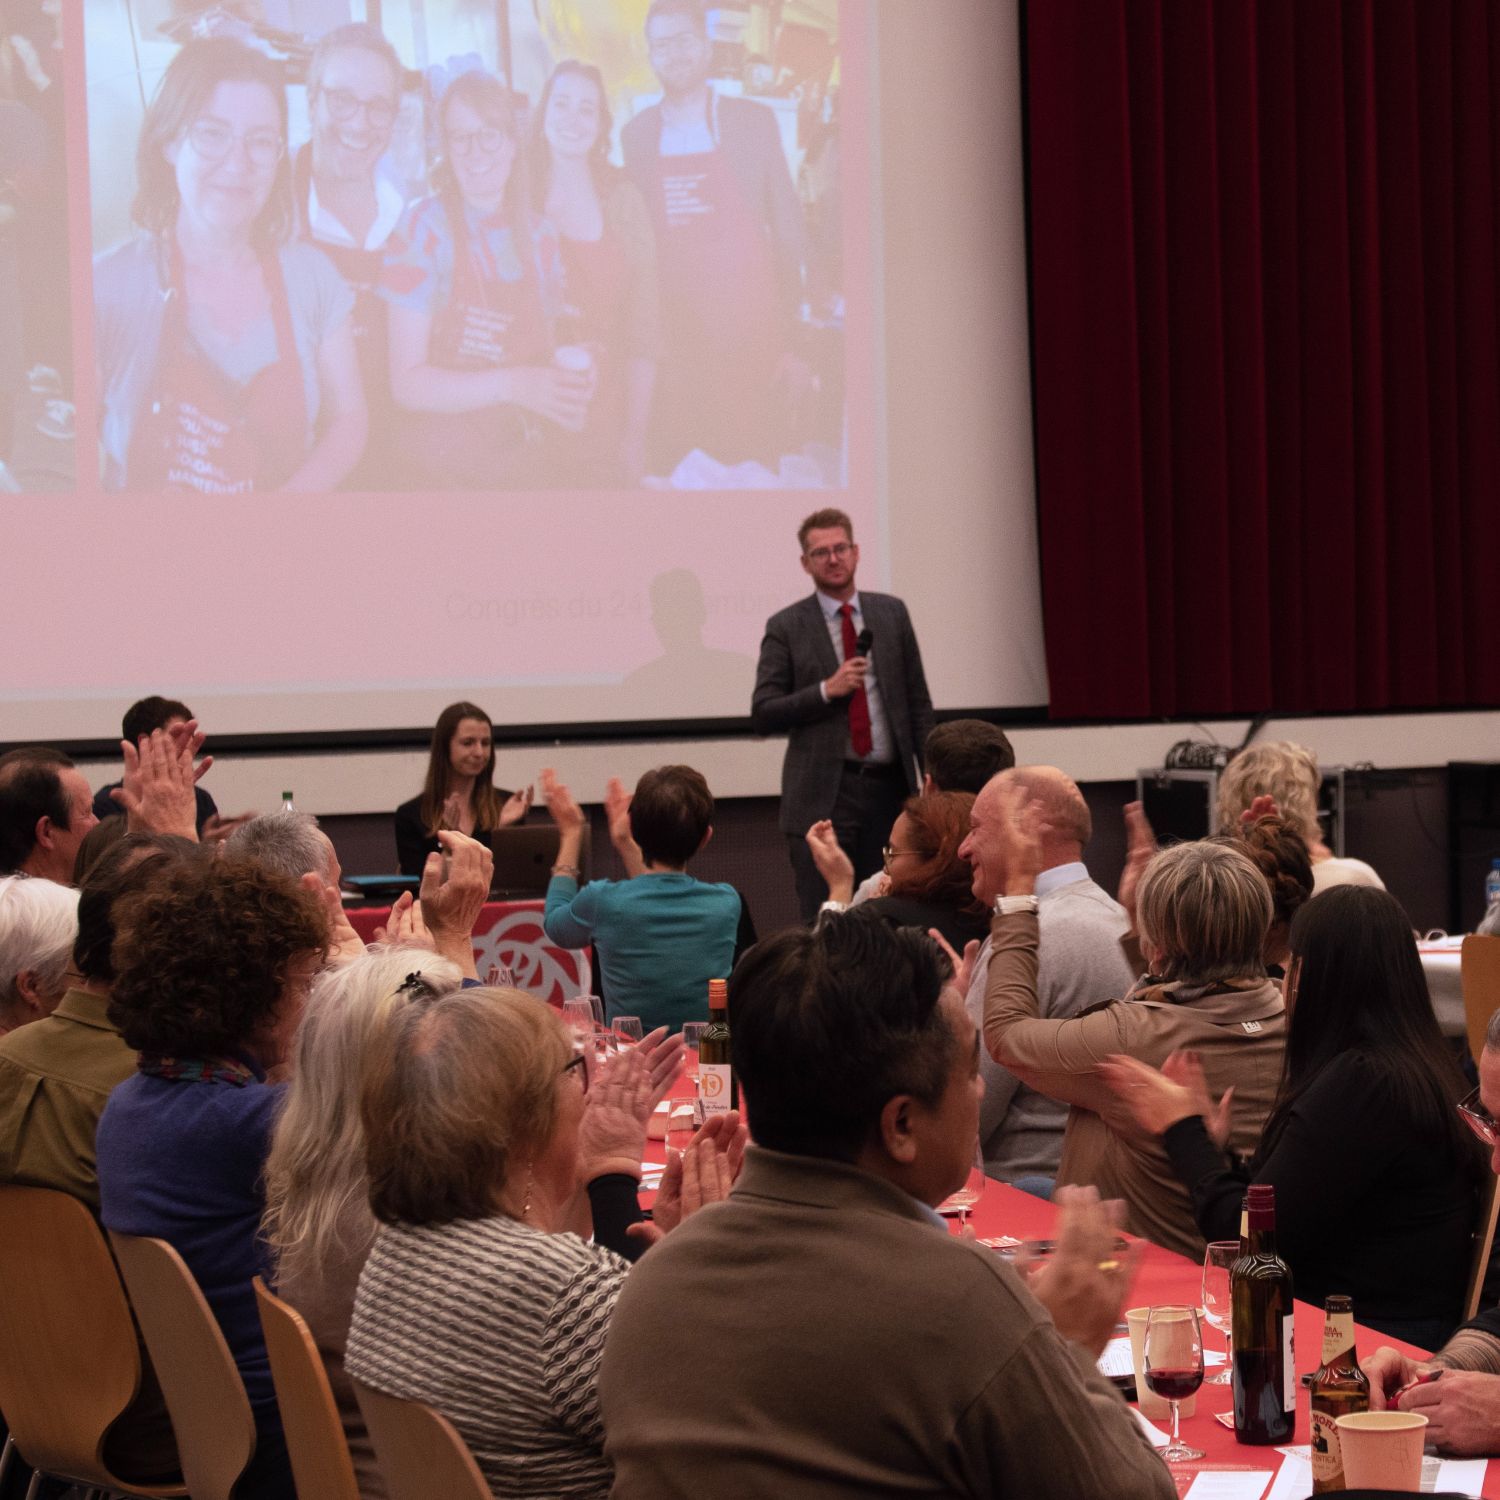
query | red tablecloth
[509, 933]
[1166, 1277]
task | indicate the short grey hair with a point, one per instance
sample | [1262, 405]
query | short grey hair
[1492, 1034]
[38, 927]
[289, 843]
[1205, 909]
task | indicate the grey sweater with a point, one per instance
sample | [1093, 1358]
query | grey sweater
[1080, 963]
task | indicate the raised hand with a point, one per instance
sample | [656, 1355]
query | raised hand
[455, 886]
[344, 943]
[157, 791]
[612, 1136]
[566, 813]
[963, 968]
[1263, 806]
[517, 805]
[1023, 830]
[617, 814]
[405, 924]
[1085, 1284]
[833, 864]
[1140, 850]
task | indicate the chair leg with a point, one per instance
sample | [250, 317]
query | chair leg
[5, 1455]
[35, 1485]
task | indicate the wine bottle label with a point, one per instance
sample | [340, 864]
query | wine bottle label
[1288, 1366]
[1338, 1335]
[714, 1089]
[1327, 1461]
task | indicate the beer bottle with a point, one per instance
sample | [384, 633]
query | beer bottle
[1339, 1388]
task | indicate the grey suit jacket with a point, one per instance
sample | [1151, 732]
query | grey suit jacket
[795, 657]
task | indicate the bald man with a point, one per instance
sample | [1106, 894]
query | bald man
[1080, 961]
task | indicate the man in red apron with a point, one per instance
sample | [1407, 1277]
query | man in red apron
[729, 239]
[348, 208]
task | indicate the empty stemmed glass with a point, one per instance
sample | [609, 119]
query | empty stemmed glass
[1217, 1260]
[963, 1198]
[1174, 1366]
[691, 1032]
[628, 1029]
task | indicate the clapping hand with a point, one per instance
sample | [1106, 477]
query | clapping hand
[455, 886]
[517, 805]
[1140, 850]
[405, 925]
[1263, 806]
[617, 814]
[1085, 1284]
[566, 813]
[833, 864]
[702, 1174]
[157, 791]
[344, 943]
[963, 968]
[1023, 829]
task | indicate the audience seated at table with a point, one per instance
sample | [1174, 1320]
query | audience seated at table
[661, 935]
[459, 791]
[844, 1342]
[476, 1298]
[38, 923]
[212, 967]
[1463, 1407]
[1289, 773]
[318, 1224]
[1363, 1131]
[1081, 960]
[927, 884]
[1203, 910]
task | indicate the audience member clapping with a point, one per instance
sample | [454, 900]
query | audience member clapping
[38, 923]
[927, 884]
[858, 1348]
[318, 1223]
[213, 964]
[474, 1298]
[1203, 910]
[1363, 1130]
[661, 935]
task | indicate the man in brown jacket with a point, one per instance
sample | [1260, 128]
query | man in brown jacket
[842, 1341]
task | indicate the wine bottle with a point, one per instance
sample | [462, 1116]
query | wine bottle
[1264, 1374]
[717, 1091]
[1244, 1226]
[1339, 1388]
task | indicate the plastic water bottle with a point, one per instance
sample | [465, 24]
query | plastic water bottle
[286, 807]
[1492, 885]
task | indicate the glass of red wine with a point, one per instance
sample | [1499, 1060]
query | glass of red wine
[1174, 1366]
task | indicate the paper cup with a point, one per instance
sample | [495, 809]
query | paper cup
[1382, 1450]
[1150, 1403]
[573, 357]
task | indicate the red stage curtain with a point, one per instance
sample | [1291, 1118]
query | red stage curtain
[1264, 247]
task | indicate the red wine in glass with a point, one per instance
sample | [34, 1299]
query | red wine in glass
[1174, 1385]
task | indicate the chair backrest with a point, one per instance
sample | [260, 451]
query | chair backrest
[309, 1414]
[205, 1395]
[1479, 973]
[419, 1452]
[69, 1361]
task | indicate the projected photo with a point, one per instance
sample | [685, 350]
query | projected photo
[36, 326]
[481, 245]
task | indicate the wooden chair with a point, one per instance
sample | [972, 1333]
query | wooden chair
[309, 1414]
[420, 1454]
[205, 1395]
[1479, 974]
[69, 1360]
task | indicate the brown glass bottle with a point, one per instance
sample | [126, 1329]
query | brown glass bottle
[1339, 1388]
[717, 1089]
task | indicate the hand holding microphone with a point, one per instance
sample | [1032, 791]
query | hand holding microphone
[850, 676]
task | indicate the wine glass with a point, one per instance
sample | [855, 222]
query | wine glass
[692, 1031]
[682, 1121]
[1217, 1260]
[499, 976]
[962, 1199]
[1174, 1366]
[628, 1029]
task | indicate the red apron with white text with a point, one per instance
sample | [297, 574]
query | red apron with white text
[722, 316]
[198, 429]
[597, 276]
[489, 322]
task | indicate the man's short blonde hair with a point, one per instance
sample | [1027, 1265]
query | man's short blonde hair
[1280, 769]
[1204, 908]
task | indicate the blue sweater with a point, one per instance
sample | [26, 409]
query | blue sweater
[181, 1161]
[658, 940]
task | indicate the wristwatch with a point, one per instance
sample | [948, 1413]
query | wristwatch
[1006, 906]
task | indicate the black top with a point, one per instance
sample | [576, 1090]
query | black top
[105, 806]
[957, 926]
[1363, 1205]
[413, 843]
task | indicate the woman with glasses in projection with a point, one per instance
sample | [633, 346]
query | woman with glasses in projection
[474, 282]
[1376, 1172]
[609, 255]
[225, 353]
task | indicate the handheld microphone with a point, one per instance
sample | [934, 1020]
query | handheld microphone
[863, 641]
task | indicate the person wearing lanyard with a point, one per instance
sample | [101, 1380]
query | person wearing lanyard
[226, 358]
[473, 279]
[345, 205]
[609, 256]
[730, 248]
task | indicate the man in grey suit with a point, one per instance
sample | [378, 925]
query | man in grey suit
[840, 674]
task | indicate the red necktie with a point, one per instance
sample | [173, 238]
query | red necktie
[859, 705]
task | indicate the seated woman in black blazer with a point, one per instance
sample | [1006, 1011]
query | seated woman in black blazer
[1376, 1175]
[926, 883]
[460, 791]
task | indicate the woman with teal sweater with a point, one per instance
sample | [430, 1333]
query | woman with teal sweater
[661, 935]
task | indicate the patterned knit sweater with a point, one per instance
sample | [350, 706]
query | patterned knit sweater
[498, 1326]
